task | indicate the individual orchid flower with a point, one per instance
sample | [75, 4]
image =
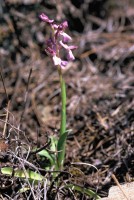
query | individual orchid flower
[58, 62]
[60, 31]
[50, 47]
[45, 18]
[69, 49]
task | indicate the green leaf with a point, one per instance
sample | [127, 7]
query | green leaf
[46, 154]
[86, 191]
[24, 189]
[7, 170]
[21, 174]
[61, 148]
[53, 143]
[51, 156]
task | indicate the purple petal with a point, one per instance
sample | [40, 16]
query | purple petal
[51, 44]
[65, 46]
[66, 37]
[73, 47]
[70, 56]
[55, 26]
[45, 18]
[65, 24]
[64, 63]
[50, 51]
[57, 61]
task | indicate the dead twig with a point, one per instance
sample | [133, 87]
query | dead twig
[118, 184]
[6, 120]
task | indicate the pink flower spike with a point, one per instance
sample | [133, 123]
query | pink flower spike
[57, 42]
[66, 37]
[45, 18]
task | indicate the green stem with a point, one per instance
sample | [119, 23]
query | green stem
[63, 99]
[63, 133]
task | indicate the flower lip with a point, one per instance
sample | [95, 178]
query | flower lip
[64, 63]
[57, 61]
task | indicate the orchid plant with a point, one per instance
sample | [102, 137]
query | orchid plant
[58, 41]
[54, 46]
